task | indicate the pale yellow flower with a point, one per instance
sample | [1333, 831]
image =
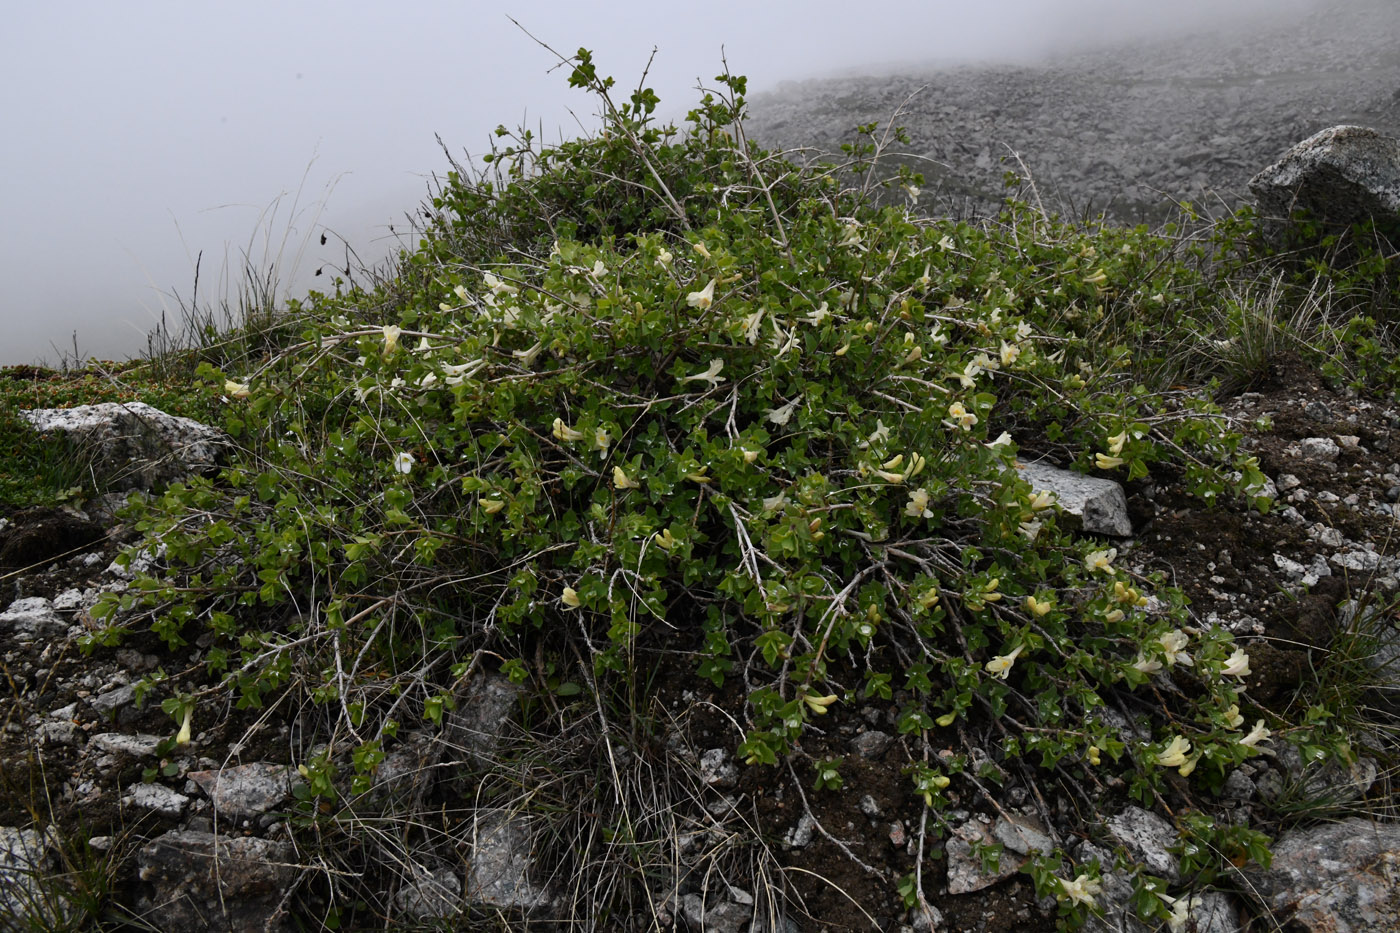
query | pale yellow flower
[570, 598]
[527, 356]
[1039, 607]
[1098, 278]
[1190, 765]
[703, 298]
[492, 506]
[1232, 716]
[1105, 462]
[1092, 753]
[918, 504]
[698, 476]
[781, 416]
[1002, 440]
[946, 720]
[1101, 561]
[497, 286]
[1010, 353]
[1113, 616]
[1174, 647]
[710, 375]
[894, 478]
[665, 540]
[959, 417]
[1174, 755]
[1080, 891]
[664, 257]
[916, 466]
[818, 705]
[565, 433]
[236, 389]
[601, 439]
[1256, 735]
[1000, 666]
[403, 463]
[183, 738]
[1116, 442]
[391, 338]
[878, 436]
[461, 293]
[773, 503]
[1042, 500]
[622, 481]
[1237, 665]
[1147, 665]
[701, 249]
[749, 455]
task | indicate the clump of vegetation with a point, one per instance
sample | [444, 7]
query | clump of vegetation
[659, 387]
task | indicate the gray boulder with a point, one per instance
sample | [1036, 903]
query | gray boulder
[1098, 506]
[132, 445]
[202, 881]
[1338, 878]
[1342, 175]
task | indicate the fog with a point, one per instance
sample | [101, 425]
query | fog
[139, 135]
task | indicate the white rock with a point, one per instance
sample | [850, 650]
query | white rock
[1098, 505]
[32, 618]
[119, 743]
[156, 797]
[245, 791]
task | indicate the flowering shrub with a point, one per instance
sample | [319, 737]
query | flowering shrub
[729, 403]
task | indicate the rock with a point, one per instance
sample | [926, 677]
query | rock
[1146, 837]
[1339, 878]
[475, 727]
[157, 798]
[107, 704]
[800, 835]
[31, 619]
[871, 744]
[1342, 176]
[118, 743]
[715, 917]
[966, 871]
[201, 882]
[26, 855]
[1022, 834]
[1116, 896]
[1097, 505]
[132, 445]
[499, 868]
[38, 536]
[429, 894]
[245, 791]
[716, 770]
[1319, 448]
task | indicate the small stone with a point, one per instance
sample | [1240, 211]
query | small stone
[245, 791]
[870, 807]
[716, 768]
[1319, 448]
[118, 743]
[800, 835]
[1147, 837]
[156, 797]
[871, 744]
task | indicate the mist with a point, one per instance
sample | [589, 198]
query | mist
[139, 136]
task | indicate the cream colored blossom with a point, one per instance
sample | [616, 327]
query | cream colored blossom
[1104, 462]
[664, 539]
[817, 316]
[391, 338]
[1101, 561]
[236, 389]
[880, 435]
[1237, 665]
[527, 356]
[497, 286]
[959, 417]
[1174, 647]
[1042, 500]
[773, 503]
[781, 416]
[601, 439]
[703, 298]
[403, 463]
[1232, 716]
[887, 476]
[492, 506]
[664, 257]
[701, 249]
[1002, 440]
[1010, 353]
[819, 705]
[1000, 666]
[918, 504]
[749, 455]
[622, 481]
[565, 433]
[1174, 755]
[698, 476]
[1256, 735]
[1147, 665]
[1081, 890]
[1116, 442]
[183, 737]
[1039, 607]
[917, 462]
[570, 598]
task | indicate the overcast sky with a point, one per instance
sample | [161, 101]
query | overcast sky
[138, 134]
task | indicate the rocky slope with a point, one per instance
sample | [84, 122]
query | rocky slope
[1125, 129]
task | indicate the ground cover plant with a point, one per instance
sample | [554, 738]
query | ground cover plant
[655, 402]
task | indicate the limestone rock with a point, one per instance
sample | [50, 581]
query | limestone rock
[32, 618]
[1098, 505]
[245, 791]
[1146, 837]
[1339, 878]
[133, 445]
[498, 874]
[155, 797]
[428, 894]
[1342, 175]
[201, 881]
[25, 855]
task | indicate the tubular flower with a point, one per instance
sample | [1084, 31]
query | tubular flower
[1000, 666]
[183, 738]
[878, 436]
[753, 325]
[235, 389]
[1116, 442]
[1093, 755]
[918, 504]
[1010, 353]
[1147, 665]
[1098, 278]
[947, 719]
[1174, 755]
[749, 455]
[968, 377]
[818, 705]
[391, 338]
[497, 286]
[1127, 594]
[403, 463]
[1256, 735]
[570, 598]
[1237, 665]
[887, 476]
[565, 433]
[461, 293]
[665, 540]
[818, 315]
[781, 416]
[599, 270]
[1101, 561]
[663, 258]
[1080, 891]
[1186, 769]
[601, 439]
[622, 481]
[1039, 607]
[1105, 462]
[916, 466]
[1003, 439]
[1042, 500]
[1029, 530]
[492, 506]
[959, 417]
[710, 375]
[703, 298]
[1232, 716]
[1174, 647]
[773, 503]
[698, 476]
[701, 249]
[527, 356]
[1113, 616]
